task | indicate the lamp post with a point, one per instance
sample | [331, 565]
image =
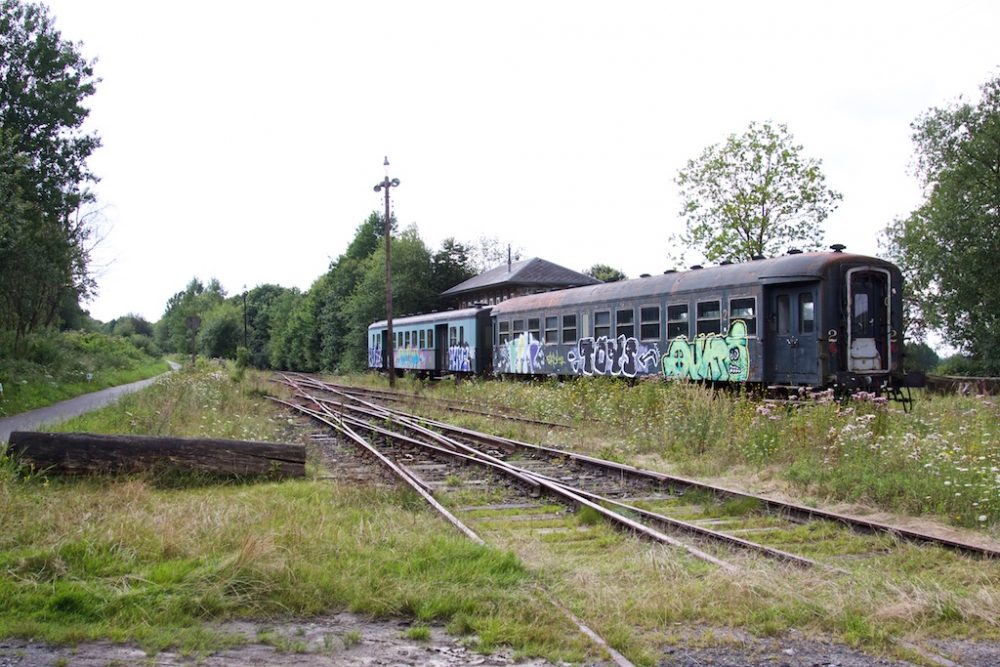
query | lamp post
[390, 356]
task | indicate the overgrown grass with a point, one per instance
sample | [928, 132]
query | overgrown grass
[943, 459]
[56, 366]
[130, 558]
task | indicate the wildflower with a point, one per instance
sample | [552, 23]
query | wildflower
[982, 517]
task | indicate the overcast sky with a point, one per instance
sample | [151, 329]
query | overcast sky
[242, 140]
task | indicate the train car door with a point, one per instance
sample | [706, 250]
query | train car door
[868, 336]
[792, 347]
[441, 348]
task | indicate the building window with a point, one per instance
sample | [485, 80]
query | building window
[677, 321]
[551, 329]
[602, 323]
[625, 323]
[569, 328]
[534, 328]
[807, 316]
[649, 324]
[744, 309]
[709, 318]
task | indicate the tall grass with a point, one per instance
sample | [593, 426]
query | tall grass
[942, 459]
[134, 558]
[60, 365]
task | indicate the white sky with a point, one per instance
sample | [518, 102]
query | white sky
[242, 139]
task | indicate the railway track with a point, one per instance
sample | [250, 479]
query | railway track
[709, 522]
[452, 405]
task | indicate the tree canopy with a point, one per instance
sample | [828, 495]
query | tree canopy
[606, 273]
[754, 194]
[948, 248]
[44, 252]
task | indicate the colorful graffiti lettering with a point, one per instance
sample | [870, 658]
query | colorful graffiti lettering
[554, 360]
[412, 357]
[714, 357]
[461, 357]
[523, 354]
[375, 356]
[611, 356]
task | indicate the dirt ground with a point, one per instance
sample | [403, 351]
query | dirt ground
[347, 639]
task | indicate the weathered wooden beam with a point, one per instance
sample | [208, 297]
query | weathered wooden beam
[89, 453]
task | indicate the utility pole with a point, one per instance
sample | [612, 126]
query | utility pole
[390, 356]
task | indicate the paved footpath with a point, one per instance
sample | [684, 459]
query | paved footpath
[58, 412]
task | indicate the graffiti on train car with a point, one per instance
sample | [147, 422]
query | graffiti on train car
[622, 356]
[413, 357]
[713, 357]
[522, 354]
[375, 356]
[461, 358]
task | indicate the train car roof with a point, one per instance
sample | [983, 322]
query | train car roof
[430, 318]
[798, 267]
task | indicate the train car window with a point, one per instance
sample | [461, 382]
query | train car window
[744, 309]
[784, 314]
[807, 315]
[461, 335]
[518, 328]
[569, 329]
[504, 331]
[709, 318]
[551, 329]
[399, 339]
[602, 323]
[861, 326]
[625, 323]
[649, 324]
[452, 336]
[430, 338]
[534, 328]
[677, 321]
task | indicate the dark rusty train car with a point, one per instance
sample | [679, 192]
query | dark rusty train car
[800, 320]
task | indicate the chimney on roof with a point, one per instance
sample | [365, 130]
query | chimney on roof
[508, 258]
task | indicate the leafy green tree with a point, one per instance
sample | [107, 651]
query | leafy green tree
[755, 194]
[44, 251]
[451, 265]
[261, 308]
[919, 357]
[411, 276]
[949, 247]
[197, 299]
[222, 330]
[605, 273]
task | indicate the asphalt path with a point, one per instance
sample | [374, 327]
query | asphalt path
[73, 407]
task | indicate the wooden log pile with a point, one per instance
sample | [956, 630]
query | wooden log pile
[89, 454]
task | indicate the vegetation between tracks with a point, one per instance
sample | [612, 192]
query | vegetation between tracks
[943, 459]
[152, 558]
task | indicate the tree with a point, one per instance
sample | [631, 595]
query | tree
[44, 251]
[489, 252]
[948, 248]
[451, 265]
[754, 195]
[605, 273]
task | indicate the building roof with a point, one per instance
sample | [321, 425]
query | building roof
[525, 272]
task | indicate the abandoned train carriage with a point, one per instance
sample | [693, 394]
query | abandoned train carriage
[455, 341]
[803, 319]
